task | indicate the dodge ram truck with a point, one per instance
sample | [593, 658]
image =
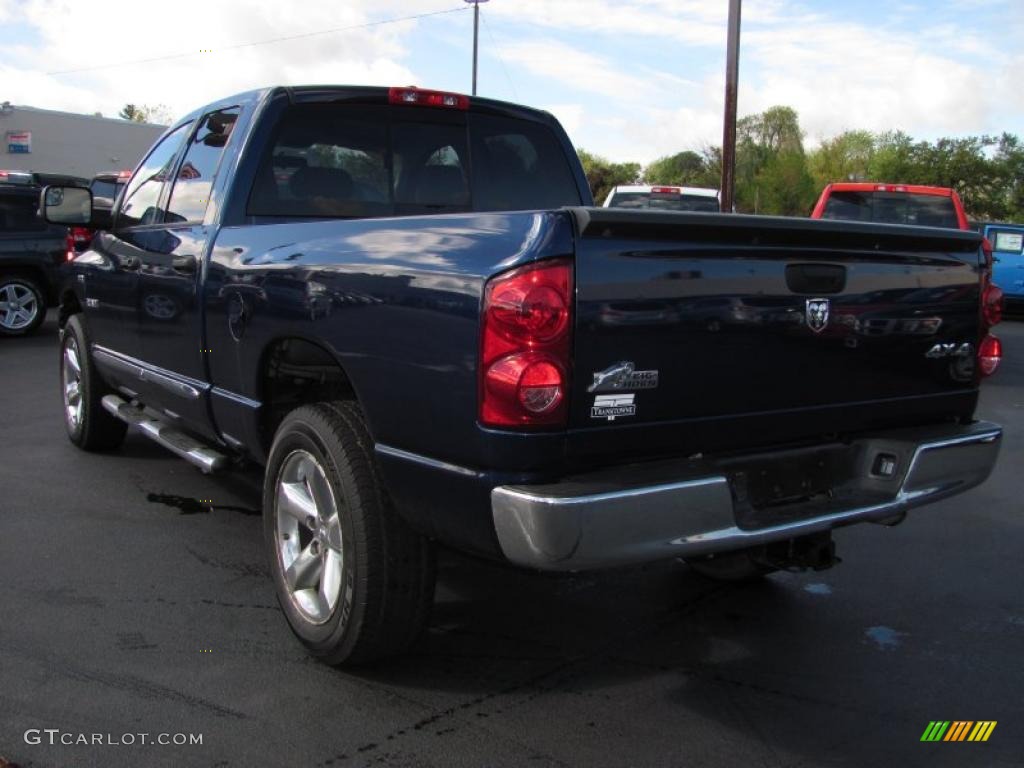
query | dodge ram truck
[403, 306]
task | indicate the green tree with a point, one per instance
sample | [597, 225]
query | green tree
[846, 157]
[712, 159]
[132, 113]
[683, 168]
[775, 130]
[1009, 160]
[964, 165]
[770, 148]
[156, 113]
[784, 185]
[897, 159]
[602, 174]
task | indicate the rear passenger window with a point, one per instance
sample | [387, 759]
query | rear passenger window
[18, 213]
[325, 162]
[519, 165]
[142, 196]
[191, 192]
[1008, 242]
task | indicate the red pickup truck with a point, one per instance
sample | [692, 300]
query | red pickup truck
[891, 204]
[906, 204]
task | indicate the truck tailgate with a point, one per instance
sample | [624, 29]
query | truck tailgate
[699, 330]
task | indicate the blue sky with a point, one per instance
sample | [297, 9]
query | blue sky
[631, 79]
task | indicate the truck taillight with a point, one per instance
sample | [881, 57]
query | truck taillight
[990, 354]
[69, 247]
[78, 240]
[525, 344]
[992, 304]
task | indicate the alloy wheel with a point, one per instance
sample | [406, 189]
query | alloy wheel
[71, 379]
[19, 306]
[309, 538]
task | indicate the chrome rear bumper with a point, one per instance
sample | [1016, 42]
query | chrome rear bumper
[645, 513]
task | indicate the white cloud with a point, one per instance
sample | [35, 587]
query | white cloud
[578, 69]
[921, 75]
[571, 116]
[691, 21]
[840, 76]
[370, 55]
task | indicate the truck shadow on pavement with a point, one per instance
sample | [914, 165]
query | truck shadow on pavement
[761, 668]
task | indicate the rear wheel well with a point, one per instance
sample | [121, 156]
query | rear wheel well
[68, 306]
[34, 274]
[297, 372]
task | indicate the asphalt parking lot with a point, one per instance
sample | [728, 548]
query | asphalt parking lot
[127, 607]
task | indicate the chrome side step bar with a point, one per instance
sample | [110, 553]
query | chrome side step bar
[187, 447]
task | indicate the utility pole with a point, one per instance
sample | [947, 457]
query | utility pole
[476, 34]
[732, 74]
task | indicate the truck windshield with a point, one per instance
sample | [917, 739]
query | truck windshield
[892, 208]
[359, 162]
[664, 202]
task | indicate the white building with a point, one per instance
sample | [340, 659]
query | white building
[47, 141]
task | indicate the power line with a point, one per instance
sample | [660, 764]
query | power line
[494, 47]
[260, 42]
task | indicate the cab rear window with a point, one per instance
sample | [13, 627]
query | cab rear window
[338, 161]
[892, 208]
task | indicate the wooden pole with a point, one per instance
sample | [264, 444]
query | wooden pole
[732, 72]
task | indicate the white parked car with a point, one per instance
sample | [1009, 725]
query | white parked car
[663, 198]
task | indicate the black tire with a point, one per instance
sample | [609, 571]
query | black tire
[14, 323]
[95, 429]
[733, 567]
[386, 587]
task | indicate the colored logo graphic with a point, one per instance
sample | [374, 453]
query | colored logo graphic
[958, 730]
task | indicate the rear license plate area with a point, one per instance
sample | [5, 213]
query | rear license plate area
[771, 489]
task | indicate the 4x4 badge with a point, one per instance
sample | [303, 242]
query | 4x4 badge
[817, 314]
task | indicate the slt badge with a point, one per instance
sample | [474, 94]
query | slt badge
[622, 376]
[817, 314]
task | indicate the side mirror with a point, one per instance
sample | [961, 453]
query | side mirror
[70, 206]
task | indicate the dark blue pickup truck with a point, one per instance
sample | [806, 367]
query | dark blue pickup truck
[403, 304]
